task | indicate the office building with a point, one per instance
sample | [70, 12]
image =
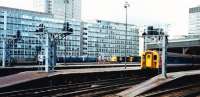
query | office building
[40, 5]
[89, 39]
[72, 8]
[57, 8]
[106, 39]
[194, 21]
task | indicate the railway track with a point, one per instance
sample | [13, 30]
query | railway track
[93, 88]
[191, 90]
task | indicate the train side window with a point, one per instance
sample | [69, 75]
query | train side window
[154, 57]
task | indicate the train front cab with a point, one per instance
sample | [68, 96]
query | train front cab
[150, 60]
[114, 59]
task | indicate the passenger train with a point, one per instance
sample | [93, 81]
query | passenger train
[152, 59]
[118, 59]
[34, 60]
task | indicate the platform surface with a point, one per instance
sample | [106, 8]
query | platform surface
[60, 65]
[94, 70]
[33, 75]
[21, 78]
[155, 82]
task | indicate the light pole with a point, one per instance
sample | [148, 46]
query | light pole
[65, 42]
[164, 50]
[126, 5]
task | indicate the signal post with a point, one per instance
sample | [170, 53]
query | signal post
[158, 35]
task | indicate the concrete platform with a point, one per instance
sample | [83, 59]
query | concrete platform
[21, 78]
[97, 63]
[94, 70]
[76, 65]
[155, 82]
[33, 75]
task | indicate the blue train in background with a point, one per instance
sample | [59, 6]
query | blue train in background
[152, 59]
[76, 59]
[182, 60]
[113, 59]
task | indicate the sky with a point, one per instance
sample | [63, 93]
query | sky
[174, 13]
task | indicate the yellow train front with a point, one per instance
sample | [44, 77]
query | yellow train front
[150, 59]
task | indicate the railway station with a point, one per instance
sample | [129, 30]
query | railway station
[50, 51]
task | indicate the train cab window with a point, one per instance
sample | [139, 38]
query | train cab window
[154, 57]
[148, 56]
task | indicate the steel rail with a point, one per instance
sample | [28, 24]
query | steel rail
[167, 91]
[66, 88]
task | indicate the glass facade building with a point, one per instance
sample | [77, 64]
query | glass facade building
[89, 39]
[106, 39]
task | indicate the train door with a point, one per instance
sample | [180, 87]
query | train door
[155, 61]
[143, 61]
[149, 61]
